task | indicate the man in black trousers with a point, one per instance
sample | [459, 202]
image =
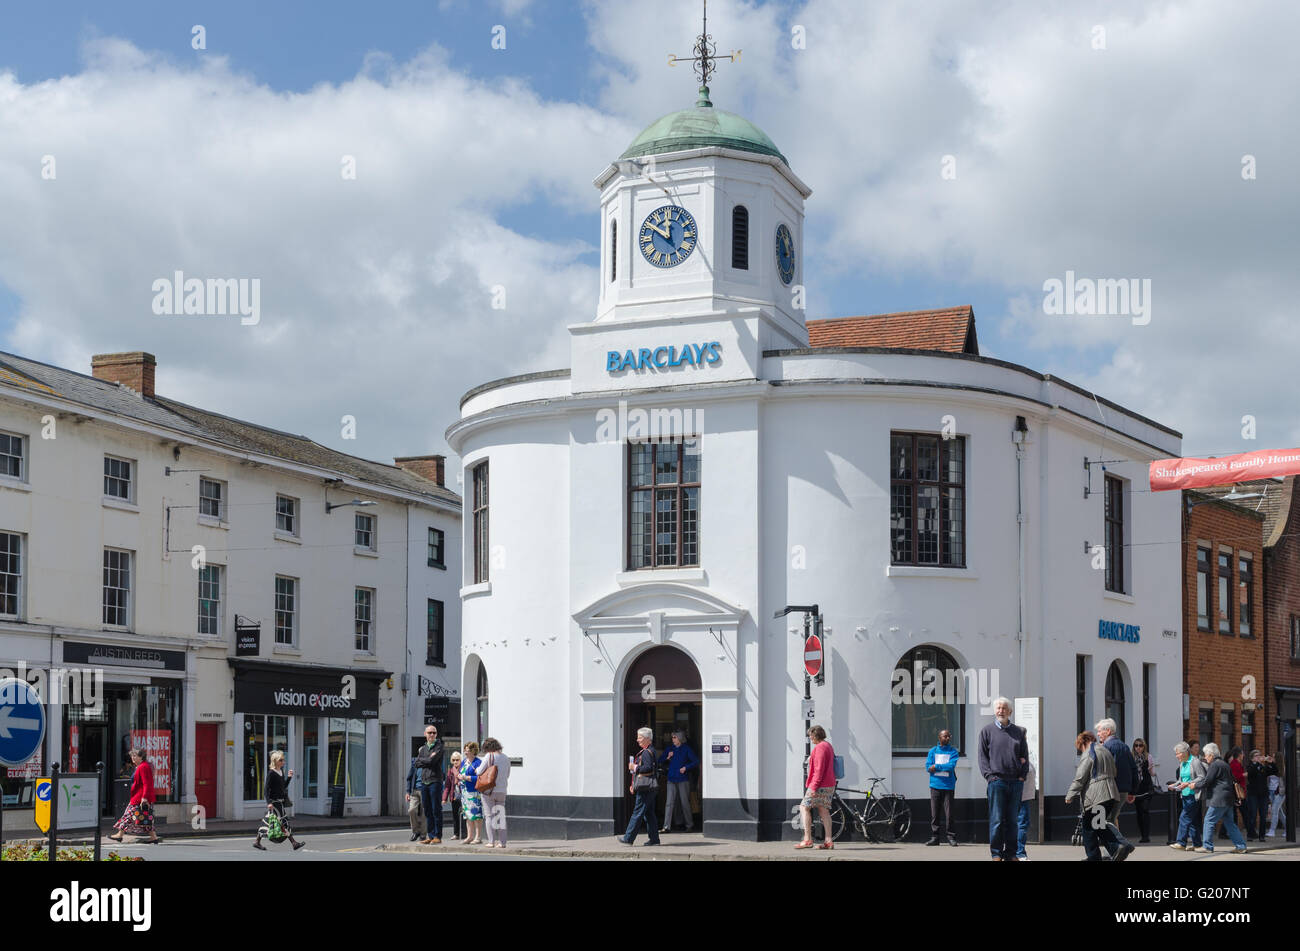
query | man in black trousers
[941, 764]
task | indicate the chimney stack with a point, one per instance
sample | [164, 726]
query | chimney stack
[426, 467]
[134, 370]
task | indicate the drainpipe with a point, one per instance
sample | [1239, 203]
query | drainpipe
[1018, 437]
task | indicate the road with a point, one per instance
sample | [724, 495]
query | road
[318, 847]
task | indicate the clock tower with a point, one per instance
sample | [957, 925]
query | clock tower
[701, 235]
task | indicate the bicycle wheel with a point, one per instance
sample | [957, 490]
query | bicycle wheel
[839, 822]
[901, 821]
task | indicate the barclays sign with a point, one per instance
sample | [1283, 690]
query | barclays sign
[663, 358]
[1115, 631]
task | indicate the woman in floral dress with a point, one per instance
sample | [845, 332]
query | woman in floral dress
[137, 818]
[471, 801]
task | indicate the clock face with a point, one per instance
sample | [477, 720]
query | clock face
[784, 254]
[668, 236]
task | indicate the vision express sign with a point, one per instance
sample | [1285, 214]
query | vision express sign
[292, 693]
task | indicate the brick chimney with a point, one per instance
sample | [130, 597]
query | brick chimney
[426, 467]
[134, 370]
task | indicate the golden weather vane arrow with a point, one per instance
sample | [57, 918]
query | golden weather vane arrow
[705, 58]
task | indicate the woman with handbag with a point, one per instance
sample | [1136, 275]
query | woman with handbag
[492, 777]
[451, 795]
[1237, 763]
[643, 769]
[471, 799]
[137, 818]
[277, 802]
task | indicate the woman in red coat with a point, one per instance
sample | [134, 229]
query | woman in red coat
[137, 818]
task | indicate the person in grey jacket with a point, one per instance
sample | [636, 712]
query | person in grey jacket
[1094, 780]
[1219, 798]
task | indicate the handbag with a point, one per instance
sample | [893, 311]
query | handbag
[1241, 793]
[487, 780]
[645, 781]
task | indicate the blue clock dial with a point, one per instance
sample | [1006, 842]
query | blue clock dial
[668, 236]
[784, 254]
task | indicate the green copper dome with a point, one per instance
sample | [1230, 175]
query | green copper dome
[700, 127]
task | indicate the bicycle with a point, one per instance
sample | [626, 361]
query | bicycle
[880, 818]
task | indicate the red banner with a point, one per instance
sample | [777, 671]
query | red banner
[1199, 473]
[157, 748]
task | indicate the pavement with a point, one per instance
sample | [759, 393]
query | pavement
[389, 835]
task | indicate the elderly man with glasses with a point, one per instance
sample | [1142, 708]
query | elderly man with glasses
[428, 765]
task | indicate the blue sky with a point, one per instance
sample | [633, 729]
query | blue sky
[1114, 163]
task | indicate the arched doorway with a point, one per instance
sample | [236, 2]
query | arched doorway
[662, 691]
[1115, 704]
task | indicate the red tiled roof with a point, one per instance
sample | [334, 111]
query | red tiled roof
[951, 329]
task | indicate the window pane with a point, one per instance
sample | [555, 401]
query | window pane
[641, 529]
[254, 756]
[900, 457]
[953, 535]
[665, 526]
[929, 702]
[691, 460]
[666, 463]
[642, 460]
[356, 757]
[11, 572]
[955, 453]
[337, 764]
[927, 458]
[927, 525]
[690, 526]
[310, 757]
[900, 523]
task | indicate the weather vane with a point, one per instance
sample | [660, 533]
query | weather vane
[706, 55]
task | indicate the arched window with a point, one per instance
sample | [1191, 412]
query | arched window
[481, 693]
[1115, 698]
[740, 238]
[613, 251]
[928, 692]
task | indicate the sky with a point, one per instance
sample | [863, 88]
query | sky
[958, 152]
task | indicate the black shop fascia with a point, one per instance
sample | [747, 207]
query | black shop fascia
[306, 690]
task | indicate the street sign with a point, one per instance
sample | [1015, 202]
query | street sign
[812, 655]
[78, 802]
[22, 722]
[44, 792]
[720, 744]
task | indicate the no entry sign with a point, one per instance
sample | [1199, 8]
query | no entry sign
[812, 655]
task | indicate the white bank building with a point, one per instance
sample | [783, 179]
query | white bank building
[634, 522]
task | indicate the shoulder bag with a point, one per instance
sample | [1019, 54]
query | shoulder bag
[644, 781]
[487, 780]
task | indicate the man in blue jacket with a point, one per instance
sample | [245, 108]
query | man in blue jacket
[1126, 779]
[679, 760]
[941, 764]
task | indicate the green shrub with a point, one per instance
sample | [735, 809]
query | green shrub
[25, 852]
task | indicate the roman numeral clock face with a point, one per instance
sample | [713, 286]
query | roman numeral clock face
[668, 236]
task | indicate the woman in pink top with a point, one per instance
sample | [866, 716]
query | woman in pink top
[821, 786]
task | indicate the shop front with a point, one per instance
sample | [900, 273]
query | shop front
[139, 706]
[324, 719]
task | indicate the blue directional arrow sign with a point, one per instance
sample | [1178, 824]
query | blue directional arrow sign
[22, 722]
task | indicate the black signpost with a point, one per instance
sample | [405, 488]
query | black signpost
[54, 813]
[812, 623]
[248, 637]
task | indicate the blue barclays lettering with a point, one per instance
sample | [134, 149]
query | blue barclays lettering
[661, 358]
[1115, 631]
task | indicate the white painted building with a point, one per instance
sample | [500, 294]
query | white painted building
[144, 532]
[934, 503]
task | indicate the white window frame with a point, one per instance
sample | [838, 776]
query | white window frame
[22, 457]
[129, 499]
[296, 515]
[129, 606]
[220, 602]
[21, 595]
[223, 501]
[373, 532]
[369, 621]
[294, 614]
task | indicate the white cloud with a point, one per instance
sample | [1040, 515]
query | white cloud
[376, 293]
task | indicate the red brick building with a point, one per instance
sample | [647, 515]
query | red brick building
[1282, 598]
[1224, 679]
